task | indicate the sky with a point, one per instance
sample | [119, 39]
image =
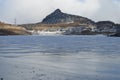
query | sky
[33, 11]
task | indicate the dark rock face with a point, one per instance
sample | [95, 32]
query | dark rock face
[117, 34]
[105, 23]
[117, 28]
[59, 17]
[106, 26]
[109, 28]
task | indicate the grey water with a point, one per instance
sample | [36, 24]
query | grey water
[72, 57]
[59, 44]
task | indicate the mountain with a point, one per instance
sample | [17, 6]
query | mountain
[59, 17]
[63, 22]
[8, 29]
[72, 24]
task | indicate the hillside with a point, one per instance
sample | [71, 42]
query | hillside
[8, 29]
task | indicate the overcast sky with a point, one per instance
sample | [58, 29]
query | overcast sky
[32, 11]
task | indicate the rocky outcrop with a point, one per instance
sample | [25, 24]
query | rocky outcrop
[8, 29]
[114, 35]
[106, 26]
[117, 33]
[117, 28]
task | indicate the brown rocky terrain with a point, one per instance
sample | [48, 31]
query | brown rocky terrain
[8, 29]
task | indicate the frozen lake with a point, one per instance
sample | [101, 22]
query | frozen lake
[59, 58]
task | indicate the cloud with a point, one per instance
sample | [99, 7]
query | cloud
[27, 11]
[109, 10]
[86, 7]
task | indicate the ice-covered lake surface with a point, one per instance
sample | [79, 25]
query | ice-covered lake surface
[59, 58]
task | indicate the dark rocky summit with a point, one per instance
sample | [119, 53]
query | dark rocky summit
[59, 17]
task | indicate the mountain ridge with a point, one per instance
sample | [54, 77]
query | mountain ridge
[70, 24]
[59, 17]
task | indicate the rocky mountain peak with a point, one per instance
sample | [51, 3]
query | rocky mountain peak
[60, 17]
[57, 11]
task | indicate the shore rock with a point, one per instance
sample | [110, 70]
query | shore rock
[115, 35]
